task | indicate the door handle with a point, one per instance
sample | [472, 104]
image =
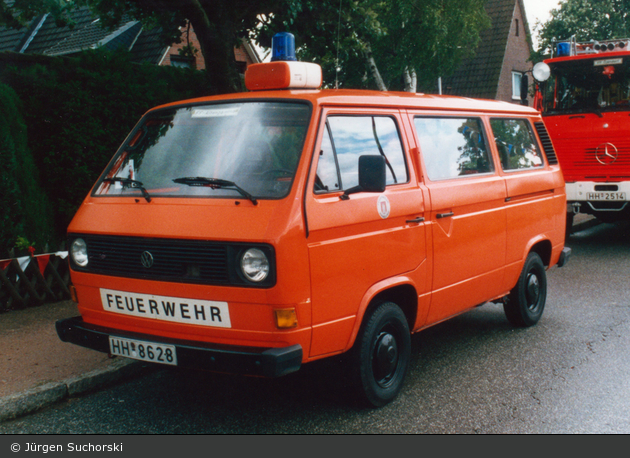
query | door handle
[416, 220]
[444, 215]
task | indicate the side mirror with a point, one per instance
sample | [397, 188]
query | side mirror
[372, 176]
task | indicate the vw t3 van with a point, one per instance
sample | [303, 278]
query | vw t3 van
[252, 233]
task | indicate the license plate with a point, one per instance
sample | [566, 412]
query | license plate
[143, 350]
[606, 196]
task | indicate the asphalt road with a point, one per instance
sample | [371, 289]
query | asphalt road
[472, 374]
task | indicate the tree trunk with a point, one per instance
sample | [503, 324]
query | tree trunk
[367, 50]
[217, 47]
[411, 80]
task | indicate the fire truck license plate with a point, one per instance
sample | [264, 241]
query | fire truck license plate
[143, 351]
[606, 196]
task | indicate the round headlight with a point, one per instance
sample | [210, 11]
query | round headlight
[255, 265]
[78, 251]
[541, 72]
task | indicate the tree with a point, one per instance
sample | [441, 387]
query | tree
[381, 44]
[587, 20]
[217, 23]
[367, 43]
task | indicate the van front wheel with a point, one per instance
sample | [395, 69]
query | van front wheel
[382, 354]
[526, 301]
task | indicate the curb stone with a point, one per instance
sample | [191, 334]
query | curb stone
[31, 400]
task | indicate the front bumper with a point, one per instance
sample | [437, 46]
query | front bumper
[266, 362]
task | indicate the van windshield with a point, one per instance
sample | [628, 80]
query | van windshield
[243, 150]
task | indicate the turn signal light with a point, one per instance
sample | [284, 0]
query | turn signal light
[73, 294]
[286, 318]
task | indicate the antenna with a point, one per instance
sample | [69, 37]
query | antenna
[337, 58]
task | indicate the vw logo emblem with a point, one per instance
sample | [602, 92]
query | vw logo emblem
[146, 259]
[606, 153]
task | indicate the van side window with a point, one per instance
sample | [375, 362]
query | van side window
[453, 147]
[516, 144]
[348, 137]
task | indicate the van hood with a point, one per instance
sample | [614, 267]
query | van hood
[195, 219]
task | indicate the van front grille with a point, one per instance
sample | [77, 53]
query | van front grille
[183, 261]
[164, 259]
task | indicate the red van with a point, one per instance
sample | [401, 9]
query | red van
[255, 232]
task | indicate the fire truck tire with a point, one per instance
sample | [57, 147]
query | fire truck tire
[569, 227]
[526, 301]
[382, 355]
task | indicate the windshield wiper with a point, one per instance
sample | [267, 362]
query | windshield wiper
[215, 183]
[131, 183]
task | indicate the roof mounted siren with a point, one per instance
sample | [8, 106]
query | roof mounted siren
[284, 71]
[572, 47]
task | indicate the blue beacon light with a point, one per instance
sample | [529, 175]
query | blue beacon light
[563, 49]
[283, 47]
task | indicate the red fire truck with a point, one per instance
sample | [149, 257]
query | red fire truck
[583, 92]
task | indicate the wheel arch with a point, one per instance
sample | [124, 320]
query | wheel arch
[402, 293]
[544, 249]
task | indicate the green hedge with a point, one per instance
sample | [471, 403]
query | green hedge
[79, 110]
[26, 212]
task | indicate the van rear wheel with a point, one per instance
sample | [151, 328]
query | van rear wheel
[382, 355]
[526, 301]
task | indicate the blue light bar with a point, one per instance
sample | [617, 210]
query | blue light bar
[283, 47]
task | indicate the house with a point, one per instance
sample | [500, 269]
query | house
[43, 36]
[502, 57]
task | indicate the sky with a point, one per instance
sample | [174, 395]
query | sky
[538, 11]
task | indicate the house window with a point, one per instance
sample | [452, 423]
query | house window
[181, 61]
[516, 24]
[517, 77]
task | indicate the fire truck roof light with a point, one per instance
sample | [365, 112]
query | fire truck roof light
[283, 72]
[283, 47]
[574, 48]
[564, 49]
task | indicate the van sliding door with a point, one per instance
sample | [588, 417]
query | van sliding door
[468, 220]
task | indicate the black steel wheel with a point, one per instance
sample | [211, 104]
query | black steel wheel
[382, 355]
[526, 301]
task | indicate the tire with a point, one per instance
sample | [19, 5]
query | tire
[526, 301]
[569, 226]
[382, 353]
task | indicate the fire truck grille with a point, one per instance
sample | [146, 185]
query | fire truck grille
[590, 160]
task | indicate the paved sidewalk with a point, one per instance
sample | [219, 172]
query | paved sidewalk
[37, 369]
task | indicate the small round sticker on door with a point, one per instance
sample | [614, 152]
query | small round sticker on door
[383, 207]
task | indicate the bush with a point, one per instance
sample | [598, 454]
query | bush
[26, 211]
[79, 110]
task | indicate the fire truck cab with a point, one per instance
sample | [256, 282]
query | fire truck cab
[583, 92]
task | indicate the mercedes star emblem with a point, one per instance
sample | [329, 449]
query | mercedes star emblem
[606, 153]
[146, 259]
